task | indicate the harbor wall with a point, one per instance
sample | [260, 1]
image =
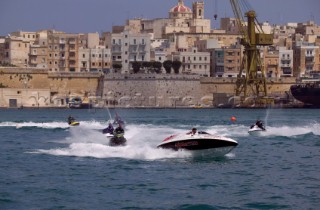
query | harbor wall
[119, 90]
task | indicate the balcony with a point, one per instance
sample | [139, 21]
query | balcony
[309, 55]
[32, 61]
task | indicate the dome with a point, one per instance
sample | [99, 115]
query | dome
[180, 8]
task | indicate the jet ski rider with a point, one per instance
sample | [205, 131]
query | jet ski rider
[70, 119]
[108, 129]
[119, 130]
[260, 124]
[192, 132]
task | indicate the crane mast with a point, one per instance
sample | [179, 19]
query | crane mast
[253, 82]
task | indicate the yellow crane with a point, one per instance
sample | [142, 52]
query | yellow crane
[252, 83]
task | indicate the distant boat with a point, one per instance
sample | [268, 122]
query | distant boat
[77, 103]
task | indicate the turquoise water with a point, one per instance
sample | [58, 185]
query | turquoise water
[47, 165]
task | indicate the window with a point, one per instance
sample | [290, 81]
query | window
[83, 55]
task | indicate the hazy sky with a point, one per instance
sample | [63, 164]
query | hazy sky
[83, 16]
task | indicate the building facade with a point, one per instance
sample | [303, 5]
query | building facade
[128, 47]
[193, 62]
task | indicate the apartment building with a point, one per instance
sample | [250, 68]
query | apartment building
[15, 51]
[128, 47]
[285, 62]
[306, 59]
[270, 61]
[96, 59]
[193, 61]
[225, 62]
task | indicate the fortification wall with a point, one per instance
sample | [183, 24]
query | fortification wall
[134, 90]
[58, 83]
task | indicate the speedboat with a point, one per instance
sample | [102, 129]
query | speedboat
[254, 129]
[199, 141]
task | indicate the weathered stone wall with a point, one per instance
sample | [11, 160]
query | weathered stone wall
[145, 90]
[58, 83]
[20, 97]
[133, 90]
[150, 90]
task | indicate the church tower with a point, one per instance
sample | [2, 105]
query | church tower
[198, 10]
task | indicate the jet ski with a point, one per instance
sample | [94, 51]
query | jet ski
[117, 139]
[257, 128]
[74, 123]
[199, 141]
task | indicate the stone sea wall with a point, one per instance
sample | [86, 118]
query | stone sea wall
[118, 90]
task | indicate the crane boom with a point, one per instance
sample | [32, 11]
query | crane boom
[253, 82]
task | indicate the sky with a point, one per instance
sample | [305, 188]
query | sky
[84, 16]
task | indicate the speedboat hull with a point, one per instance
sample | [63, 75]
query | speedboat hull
[198, 142]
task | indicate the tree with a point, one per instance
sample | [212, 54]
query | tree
[167, 65]
[146, 65]
[157, 66]
[117, 66]
[136, 66]
[176, 66]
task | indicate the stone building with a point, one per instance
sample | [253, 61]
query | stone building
[306, 59]
[15, 51]
[225, 62]
[128, 47]
[285, 62]
[193, 62]
[270, 60]
[96, 59]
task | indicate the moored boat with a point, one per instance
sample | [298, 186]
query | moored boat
[308, 93]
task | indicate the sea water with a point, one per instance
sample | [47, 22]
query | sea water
[45, 164]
